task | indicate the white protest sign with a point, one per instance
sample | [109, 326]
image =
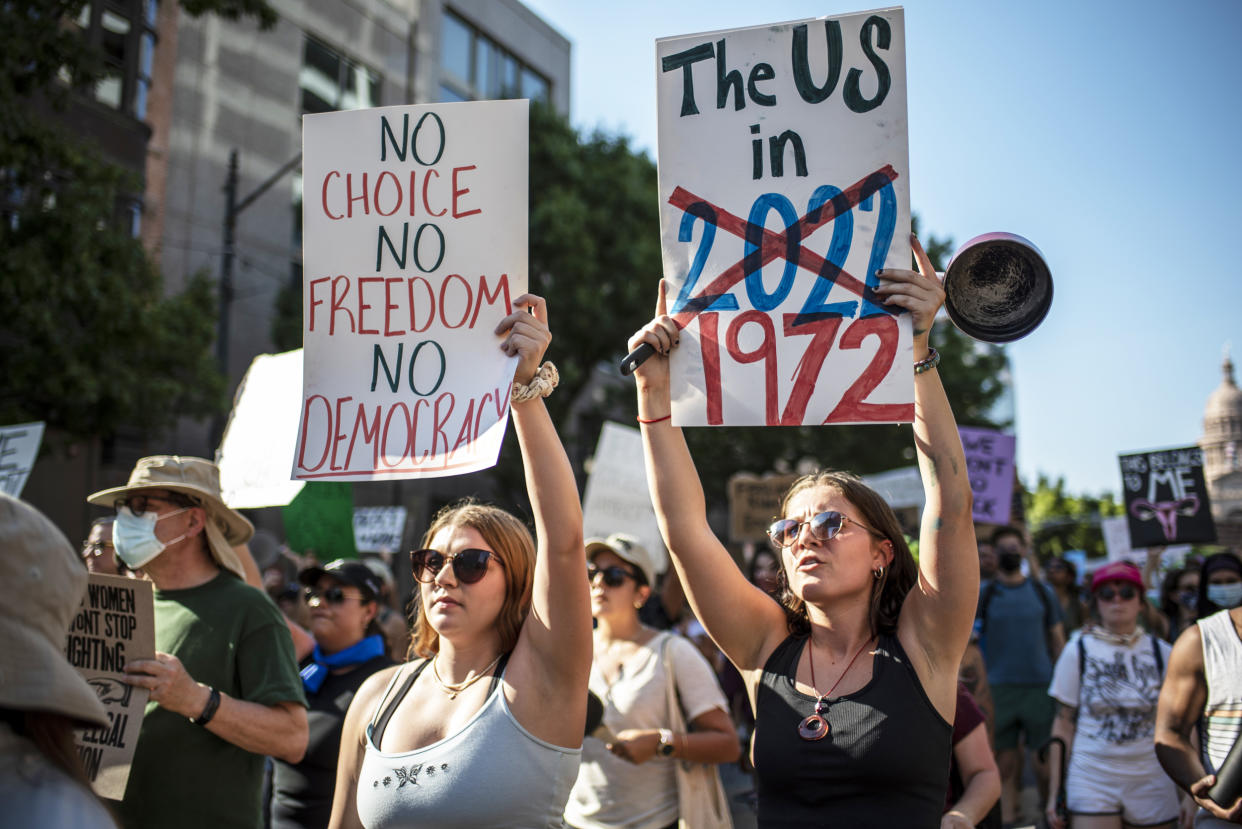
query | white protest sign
[414, 249]
[256, 451]
[900, 488]
[19, 446]
[1116, 532]
[616, 498]
[379, 529]
[784, 186]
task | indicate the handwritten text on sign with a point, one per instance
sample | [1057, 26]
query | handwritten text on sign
[989, 462]
[769, 136]
[1166, 497]
[114, 625]
[414, 249]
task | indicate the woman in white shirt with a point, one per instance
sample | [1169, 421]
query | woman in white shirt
[629, 779]
[1106, 684]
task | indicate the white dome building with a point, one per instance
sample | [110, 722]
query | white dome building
[1222, 447]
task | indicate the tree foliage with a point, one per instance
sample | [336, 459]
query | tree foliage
[89, 342]
[1060, 521]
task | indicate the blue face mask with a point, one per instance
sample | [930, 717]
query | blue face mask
[1225, 595]
[133, 535]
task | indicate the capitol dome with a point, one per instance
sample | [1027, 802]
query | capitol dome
[1222, 427]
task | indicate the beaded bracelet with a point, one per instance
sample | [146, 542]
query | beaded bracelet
[929, 362]
[540, 385]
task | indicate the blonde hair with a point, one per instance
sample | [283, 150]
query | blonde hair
[512, 542]
[888, 592]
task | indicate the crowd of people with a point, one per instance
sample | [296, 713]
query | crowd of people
[543, 680]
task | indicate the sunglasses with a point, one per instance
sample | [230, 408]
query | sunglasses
[1126, 592]
[96, 548]
[614, 575]
[333, 595]
[468, 565]
[140, 504]
[824, 526]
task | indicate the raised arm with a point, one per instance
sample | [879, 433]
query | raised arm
[743, 621]
[553, 654]
[939, 610]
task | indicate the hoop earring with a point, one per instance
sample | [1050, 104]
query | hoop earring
[878, 573]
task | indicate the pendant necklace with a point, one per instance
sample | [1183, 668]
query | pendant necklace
[455, 688]
[815, 727]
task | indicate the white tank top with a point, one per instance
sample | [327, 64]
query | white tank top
[1222, 665]
[491, 773]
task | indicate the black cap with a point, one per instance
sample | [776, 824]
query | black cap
[353, 573]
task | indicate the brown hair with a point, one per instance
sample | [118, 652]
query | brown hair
[889, 591]
[511, 540]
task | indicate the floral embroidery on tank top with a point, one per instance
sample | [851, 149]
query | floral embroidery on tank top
[409, 775]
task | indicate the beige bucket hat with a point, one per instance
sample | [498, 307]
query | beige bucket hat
[44, 581]
[200, 480]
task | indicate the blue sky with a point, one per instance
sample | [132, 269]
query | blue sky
[1105, 131]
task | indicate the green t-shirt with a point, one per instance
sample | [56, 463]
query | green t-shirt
[232, 637]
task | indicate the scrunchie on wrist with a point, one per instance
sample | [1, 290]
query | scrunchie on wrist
[540, 385]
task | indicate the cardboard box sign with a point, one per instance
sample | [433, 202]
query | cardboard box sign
[1166, 497]
[753, 504]
[115, 624]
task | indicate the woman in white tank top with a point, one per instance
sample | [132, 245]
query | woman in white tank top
[486, 728]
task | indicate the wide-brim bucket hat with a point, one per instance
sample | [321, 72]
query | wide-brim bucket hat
[199, 479]
[45, 580]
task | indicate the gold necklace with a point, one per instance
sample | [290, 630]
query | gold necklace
[453, 689]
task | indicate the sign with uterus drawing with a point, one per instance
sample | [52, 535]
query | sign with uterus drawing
[1166, 497]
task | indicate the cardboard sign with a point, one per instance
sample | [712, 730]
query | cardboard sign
[257, 448]
[379, 529]
[754, 502]
[784, 187]
[114, 625]
[19, 446]
[1166, 497]
[989, 463]
[616, 498]
[414, 250]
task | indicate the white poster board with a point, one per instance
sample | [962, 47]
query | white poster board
[784, 186]
[616, 498]
[414, 228]
[256, 451]
[1116, 532]
[900, 488]
[379, 529]
[19, 446]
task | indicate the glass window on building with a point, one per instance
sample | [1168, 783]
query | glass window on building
[475, 67]
[123, 31]
[329, 81]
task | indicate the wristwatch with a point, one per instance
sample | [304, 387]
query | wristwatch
[665, 748]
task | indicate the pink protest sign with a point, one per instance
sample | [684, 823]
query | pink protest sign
[415, 225]
[989, 462]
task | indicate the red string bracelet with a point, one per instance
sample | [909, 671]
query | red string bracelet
[656, 419]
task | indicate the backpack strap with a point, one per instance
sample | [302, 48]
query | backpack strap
[1155, 649]
[981, 614]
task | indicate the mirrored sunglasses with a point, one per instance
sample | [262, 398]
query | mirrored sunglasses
[1125, 591]
[468, 565]
[823, 526]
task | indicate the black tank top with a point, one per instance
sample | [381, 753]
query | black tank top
[885, 763]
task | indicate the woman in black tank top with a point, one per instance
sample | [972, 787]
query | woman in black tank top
[853, 675]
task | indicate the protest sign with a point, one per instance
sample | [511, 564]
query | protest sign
[256, 451]
[900, 488]
[616, 498]
[754, 502]
[1116, 532]
[114, 625]
[1166, 497]
[784, 187]
[320, 520]
[379, 529]
[989, 463]
[414, 250]
[19, 446]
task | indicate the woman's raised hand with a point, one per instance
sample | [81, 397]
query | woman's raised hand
[663, 335]
[919, 292]
[526, 335]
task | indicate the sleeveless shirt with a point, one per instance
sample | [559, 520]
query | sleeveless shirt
[1222, 666]
[884, 764]
[491, 773]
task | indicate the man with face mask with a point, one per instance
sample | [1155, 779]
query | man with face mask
[1021, 634]
[225, 690]
[1203, 693]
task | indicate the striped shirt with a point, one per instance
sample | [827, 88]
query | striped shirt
[1222, 665]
